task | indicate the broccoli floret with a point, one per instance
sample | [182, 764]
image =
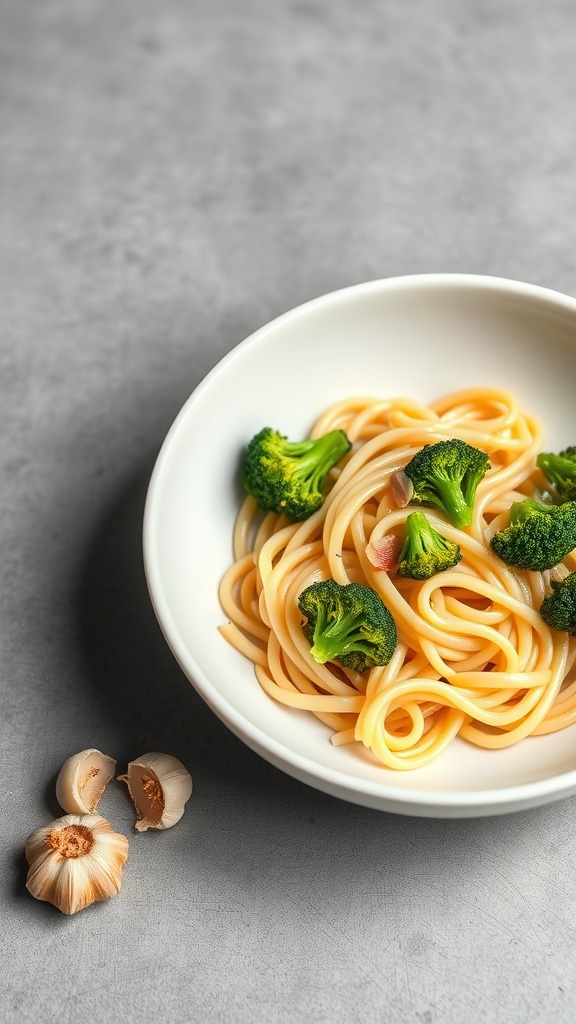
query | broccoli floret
[288, 476]
[558, 609]
[538, 536]
[347, 622]
[447, 475]
[560, 470]
[425, 552]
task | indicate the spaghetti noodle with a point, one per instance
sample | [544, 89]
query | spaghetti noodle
[474, 657]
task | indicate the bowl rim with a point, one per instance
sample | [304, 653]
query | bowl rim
[377, 795]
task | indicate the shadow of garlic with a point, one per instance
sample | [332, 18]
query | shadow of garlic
[75, 861]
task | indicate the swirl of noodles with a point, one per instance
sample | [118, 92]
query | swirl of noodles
[474, 657]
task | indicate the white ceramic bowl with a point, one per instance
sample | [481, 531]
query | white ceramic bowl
[422, 336]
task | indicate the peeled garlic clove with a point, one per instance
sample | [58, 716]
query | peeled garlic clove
[159, 787]
[82, 780]
[74, 861]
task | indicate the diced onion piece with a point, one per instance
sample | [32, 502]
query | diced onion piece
[381, 553]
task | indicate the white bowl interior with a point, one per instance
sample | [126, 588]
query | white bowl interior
[419, 336]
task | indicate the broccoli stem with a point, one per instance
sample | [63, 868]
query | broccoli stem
[316, 458]
[337, 636]
[454, 502]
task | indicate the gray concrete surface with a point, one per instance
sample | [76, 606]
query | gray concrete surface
[173, 174]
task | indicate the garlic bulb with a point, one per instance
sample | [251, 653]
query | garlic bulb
[159, 787]
[82, 781]
[74, 861]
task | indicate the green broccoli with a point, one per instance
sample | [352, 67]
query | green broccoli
[425, 552]
[447, 475]
[538, 536]
[560, 470]
[348, 622]
[558, 609]
[288, 476]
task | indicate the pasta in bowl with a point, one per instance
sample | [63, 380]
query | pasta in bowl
[474, 656]
[472, 713]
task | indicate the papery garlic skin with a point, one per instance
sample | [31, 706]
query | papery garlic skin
[75, 861]
[82, 781]
[159, 787]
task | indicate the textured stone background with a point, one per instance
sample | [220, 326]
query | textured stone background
[172, 176]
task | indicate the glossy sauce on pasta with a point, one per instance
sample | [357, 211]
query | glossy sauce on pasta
[474, 657]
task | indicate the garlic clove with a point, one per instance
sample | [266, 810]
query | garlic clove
[159, 787]
[75, 861]
[402, 488]
[82, 781]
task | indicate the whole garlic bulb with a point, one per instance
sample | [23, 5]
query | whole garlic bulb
[159, 787]
[74, 861]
